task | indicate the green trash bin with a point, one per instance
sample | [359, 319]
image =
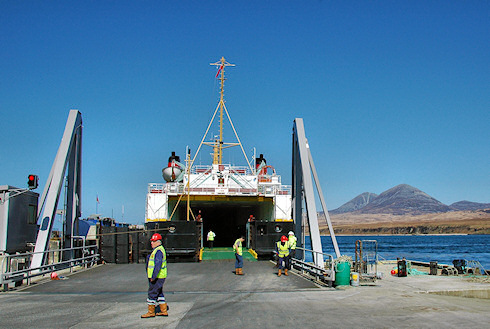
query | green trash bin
[342, 274]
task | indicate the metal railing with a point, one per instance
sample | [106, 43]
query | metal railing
[325, 273]
[243, 170]
[179, 188]
[16, 268]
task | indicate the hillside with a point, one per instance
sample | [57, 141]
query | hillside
[403, 199]
[405, 209]
[468, 205]
[453, 222]
[357, 203]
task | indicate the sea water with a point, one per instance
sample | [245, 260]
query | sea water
[441, 248]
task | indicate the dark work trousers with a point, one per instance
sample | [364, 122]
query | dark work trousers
[155, 292]
[238, 261]
[284, 262]
[210, 243]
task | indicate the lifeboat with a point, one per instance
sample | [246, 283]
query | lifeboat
[174, 171]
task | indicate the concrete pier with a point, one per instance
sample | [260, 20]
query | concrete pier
[210, 295]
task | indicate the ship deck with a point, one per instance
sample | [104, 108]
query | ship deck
[221, 253]
[209, 295]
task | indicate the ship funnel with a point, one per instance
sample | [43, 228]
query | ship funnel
[172, 159]
[259, 160]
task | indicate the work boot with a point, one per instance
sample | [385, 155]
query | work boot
[163, 310]
[279, 273]
[239, 271]
[151, 312]
[286, 272]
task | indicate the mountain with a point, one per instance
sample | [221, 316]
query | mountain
[405, 209]
[355, 204]
[404, 199]
[468, 205]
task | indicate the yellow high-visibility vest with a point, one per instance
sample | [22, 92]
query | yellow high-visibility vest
[283, 249]
[292, 241]
[237, 247]
[151, 263]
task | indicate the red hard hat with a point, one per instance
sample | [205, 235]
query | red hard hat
[284, 238]
[156, 237]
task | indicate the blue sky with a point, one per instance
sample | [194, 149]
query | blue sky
[390, 92]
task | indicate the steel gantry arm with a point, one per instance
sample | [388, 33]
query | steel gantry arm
[69, 153]
[303, 169]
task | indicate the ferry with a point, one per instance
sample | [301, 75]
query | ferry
[232, 201]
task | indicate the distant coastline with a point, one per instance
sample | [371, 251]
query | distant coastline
[448, 223]
[423, 229]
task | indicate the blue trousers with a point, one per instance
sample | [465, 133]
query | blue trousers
[238, 261]
[155, 292]
[284, 262]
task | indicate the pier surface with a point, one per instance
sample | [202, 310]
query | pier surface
[210, 295]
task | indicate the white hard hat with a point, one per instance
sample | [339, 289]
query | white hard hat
[291, 233]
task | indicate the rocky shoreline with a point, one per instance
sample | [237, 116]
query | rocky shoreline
[462, 222]
[391, 229]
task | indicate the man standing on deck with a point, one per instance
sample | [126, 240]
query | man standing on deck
[156, 272]
[292, 247]
[282, 249]
[210, 238]
[237, 248]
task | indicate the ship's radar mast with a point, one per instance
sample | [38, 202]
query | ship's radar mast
[218, 144]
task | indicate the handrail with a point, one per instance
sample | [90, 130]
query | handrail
[176, 188]
[327, 273]
[330, 257]
[89, 255]
[50, 251]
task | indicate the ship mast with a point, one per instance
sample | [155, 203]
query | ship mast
[218, 144]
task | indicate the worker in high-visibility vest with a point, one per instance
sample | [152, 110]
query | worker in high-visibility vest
[282, 249]
[156, 270]
[292, 246]
[210, 238]
[237, 248]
